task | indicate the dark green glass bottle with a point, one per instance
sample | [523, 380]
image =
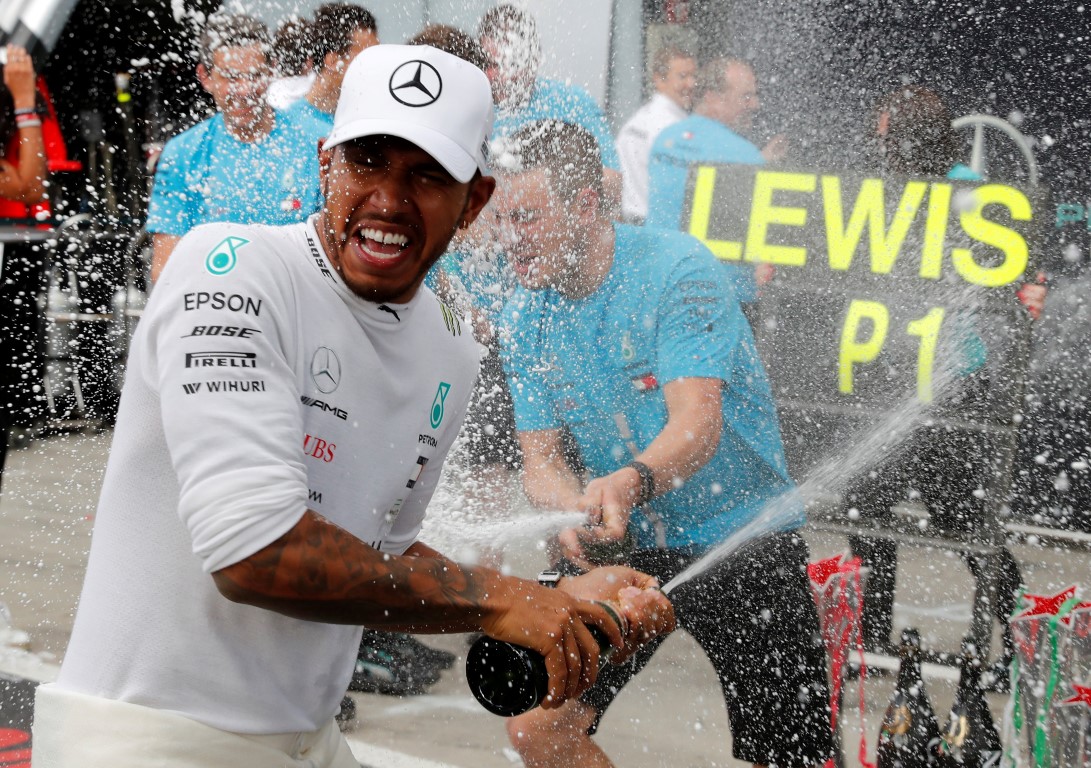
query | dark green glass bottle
[970, 738]
[909, 736]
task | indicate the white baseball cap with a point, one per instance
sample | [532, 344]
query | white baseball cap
[439, 102]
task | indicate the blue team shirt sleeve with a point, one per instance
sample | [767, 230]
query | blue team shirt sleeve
[699, 318]
[172, 207]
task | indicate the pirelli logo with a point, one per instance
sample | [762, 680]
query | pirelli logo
[451, 319]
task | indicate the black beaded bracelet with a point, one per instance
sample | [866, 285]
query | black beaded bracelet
[647, 482]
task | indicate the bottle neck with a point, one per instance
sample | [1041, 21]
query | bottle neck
[909, 673]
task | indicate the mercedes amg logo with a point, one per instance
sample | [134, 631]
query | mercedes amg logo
[416, 84]
[325, 370]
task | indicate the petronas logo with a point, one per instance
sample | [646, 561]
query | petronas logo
[437, 404]
[223, 258]
[451, 320]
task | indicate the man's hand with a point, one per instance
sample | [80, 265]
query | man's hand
[1033, 296]
[647, 610]
[776, 149]
[554, 623]
[19, 77]
[608, 502]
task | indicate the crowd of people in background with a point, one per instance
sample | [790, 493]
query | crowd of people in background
[619, 373]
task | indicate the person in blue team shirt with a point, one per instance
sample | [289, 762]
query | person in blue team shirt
[725, 102]
[945, 468]
[339, 32]
[509, 36]
[631, 339]
[246, 164]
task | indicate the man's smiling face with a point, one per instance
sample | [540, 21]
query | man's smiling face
[390, 211]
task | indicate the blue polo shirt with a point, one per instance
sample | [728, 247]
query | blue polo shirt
[695, 140]
[207, 175]
[303, 110]
[598, 365]
[554, 100]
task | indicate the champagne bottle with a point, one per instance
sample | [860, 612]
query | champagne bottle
[508, 679]
[909, 736]
[971, 738]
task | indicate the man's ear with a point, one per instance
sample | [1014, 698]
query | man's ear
[481, 191]
[203, 76]
[325, 162]
[588, 203]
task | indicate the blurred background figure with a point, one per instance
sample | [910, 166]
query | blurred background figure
[509, 37]
[674, 76]
[22, 183]
[338, 33]
[292, 60]
[23, 167]
[246, 164]
[913, 135]
[946, 469]
[725, 103]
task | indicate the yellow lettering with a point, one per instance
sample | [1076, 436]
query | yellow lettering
[854, 350]
[764, 214]
[1004, 239]
[928, 330]
[703, 190]
[842, 238]
[870, 210]
[935, 231]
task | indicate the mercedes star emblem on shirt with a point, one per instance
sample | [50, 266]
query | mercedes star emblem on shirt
[325, 370]
[416, 84]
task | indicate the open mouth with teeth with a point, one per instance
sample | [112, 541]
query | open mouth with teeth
[379, 245]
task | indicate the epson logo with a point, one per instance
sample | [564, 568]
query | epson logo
[221, 360]
[323, 406]
[427, 440]
[232, 302]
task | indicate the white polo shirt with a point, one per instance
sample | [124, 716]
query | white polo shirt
[258, 386]
[634, 145]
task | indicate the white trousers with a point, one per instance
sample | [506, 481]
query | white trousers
[72, 730]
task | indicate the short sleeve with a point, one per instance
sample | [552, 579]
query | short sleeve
[229, 400]
[699, 328]
[172, 207]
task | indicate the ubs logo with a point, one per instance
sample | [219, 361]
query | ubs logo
[325, 370]
[416, 84]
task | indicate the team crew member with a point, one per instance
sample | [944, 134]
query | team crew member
[629, 337]
[509, 36]
[726, 101]
[246, 164]
[340, 31]
[674, 74]
[291, 396]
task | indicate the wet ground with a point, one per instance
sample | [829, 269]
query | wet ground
[671, 716]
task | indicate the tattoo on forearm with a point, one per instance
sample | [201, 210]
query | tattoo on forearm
[317, 562]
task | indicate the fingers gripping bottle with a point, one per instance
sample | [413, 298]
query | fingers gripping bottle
[508, 679]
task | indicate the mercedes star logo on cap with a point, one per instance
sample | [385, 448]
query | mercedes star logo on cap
[416, 84]
[325, 370]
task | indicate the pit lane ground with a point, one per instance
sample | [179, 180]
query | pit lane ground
[671, 716]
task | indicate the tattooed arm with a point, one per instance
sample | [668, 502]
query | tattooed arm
[320, 572]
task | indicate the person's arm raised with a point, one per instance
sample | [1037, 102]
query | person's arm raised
[24, 182]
